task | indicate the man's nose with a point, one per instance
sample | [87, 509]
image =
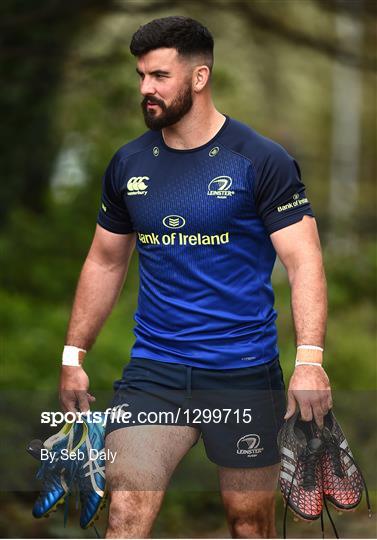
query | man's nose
[147, 87]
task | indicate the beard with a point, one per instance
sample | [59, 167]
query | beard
[169, 115]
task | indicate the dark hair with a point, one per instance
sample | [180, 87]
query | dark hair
[187, 36]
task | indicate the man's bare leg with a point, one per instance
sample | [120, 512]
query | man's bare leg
[249, 500]
[145, 460]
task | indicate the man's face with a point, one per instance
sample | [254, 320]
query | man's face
[166, 84]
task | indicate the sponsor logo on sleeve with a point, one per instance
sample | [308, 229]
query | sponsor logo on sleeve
[296, 201]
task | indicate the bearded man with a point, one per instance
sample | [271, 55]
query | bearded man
[208, 202]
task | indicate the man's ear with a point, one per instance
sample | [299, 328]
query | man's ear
[200, 77]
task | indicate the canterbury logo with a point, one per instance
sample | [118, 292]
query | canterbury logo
[137, 186]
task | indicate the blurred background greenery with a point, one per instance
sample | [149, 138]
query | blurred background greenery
[302, 72]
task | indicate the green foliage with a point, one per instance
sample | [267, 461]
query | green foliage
[350, 350]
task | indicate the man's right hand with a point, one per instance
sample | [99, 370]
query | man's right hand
[73, 389]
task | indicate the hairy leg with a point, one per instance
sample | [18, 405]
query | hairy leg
[249, 500]
[146, 457]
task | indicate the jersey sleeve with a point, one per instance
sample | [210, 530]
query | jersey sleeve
[113, 214]
[279, 192]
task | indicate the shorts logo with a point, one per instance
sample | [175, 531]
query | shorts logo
[248, 445]
[174, 222]
[219, 187]
[137, 186]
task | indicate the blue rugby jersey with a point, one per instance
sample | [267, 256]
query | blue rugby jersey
[203, 219]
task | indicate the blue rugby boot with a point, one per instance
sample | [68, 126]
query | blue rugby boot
[57, 471]
[91, 472]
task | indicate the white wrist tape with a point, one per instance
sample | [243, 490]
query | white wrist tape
[71, 356]
[308, 364]
[310, 347]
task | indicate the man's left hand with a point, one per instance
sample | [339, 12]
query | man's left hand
[309, 387]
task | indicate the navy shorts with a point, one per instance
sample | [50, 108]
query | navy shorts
[237, 411]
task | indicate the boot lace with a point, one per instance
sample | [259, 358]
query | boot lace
[309, 459]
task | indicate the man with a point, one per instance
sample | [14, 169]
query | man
[208, 202]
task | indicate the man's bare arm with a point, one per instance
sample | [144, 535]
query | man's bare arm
[299, 250]
[99, 286]
[298, 247]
